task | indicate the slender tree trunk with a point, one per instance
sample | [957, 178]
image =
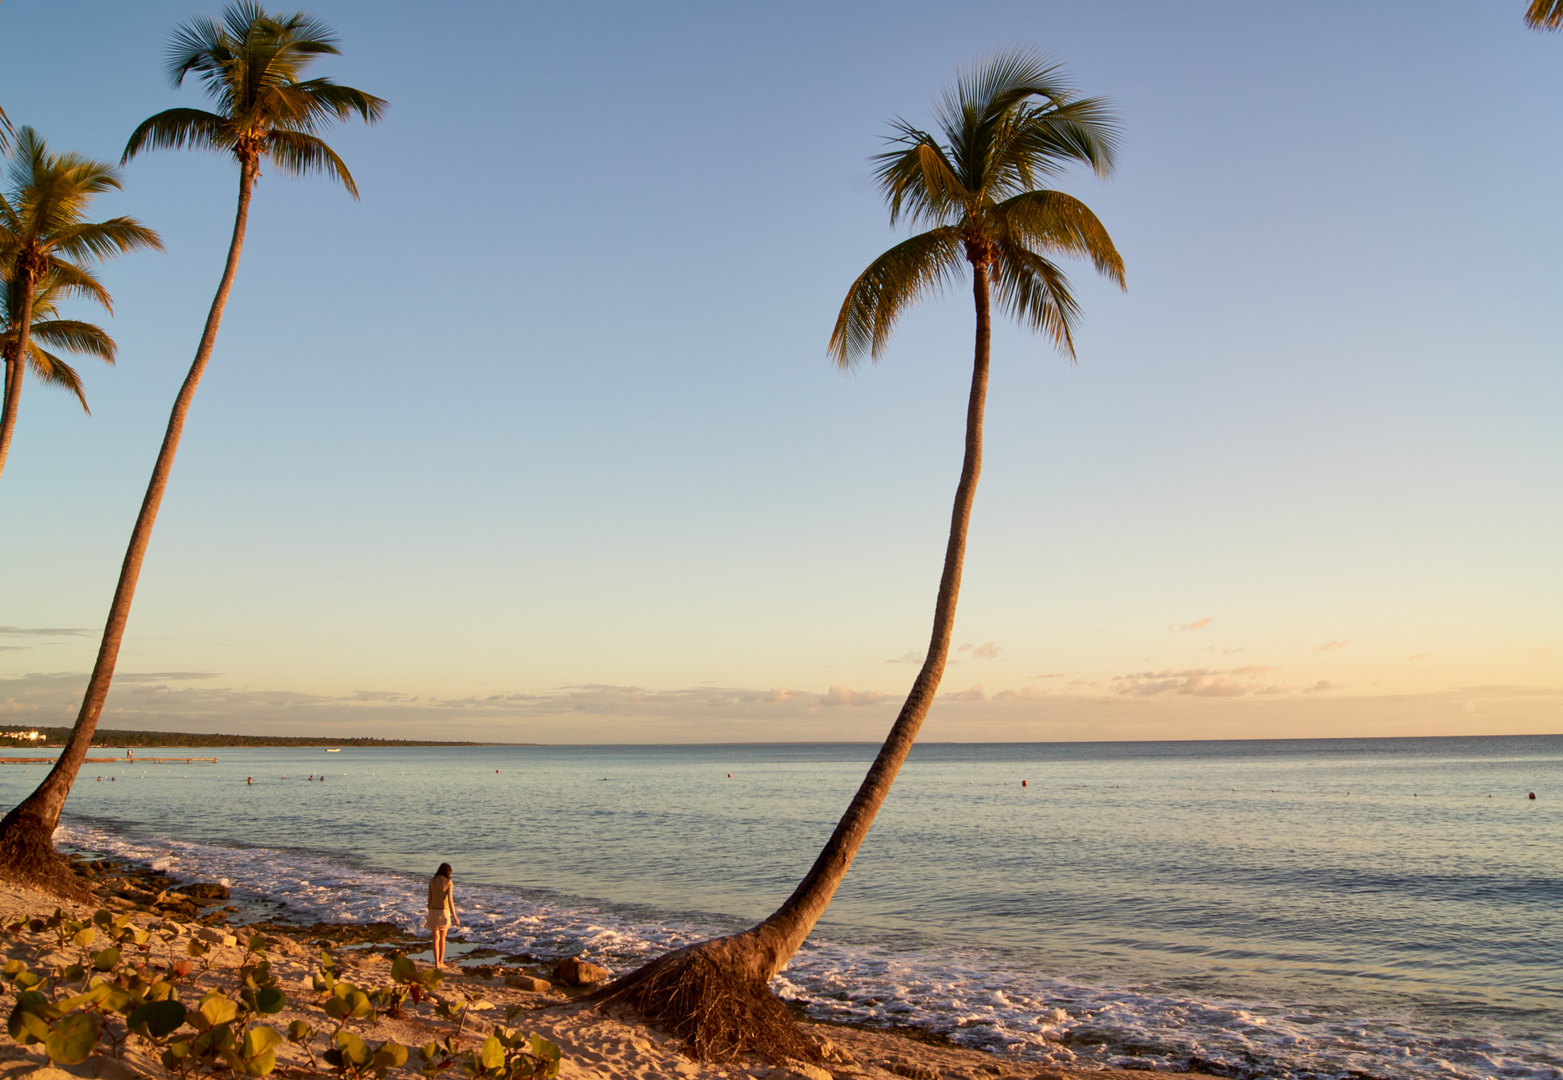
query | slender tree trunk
[16, 365]
[785, 931]
[26, 833]
[715, 994]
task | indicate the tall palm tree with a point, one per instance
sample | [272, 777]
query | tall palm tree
[47, 328]
[44, 242]
[1004, 127]
[251, 64]
[1545, 15]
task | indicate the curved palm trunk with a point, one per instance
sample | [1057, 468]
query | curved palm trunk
[785, 931]
[16, 365]
[714, 994]
[26, 833]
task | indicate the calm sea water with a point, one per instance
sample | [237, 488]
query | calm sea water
[1382, 908]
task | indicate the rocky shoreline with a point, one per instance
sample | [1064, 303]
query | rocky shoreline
[538, 994]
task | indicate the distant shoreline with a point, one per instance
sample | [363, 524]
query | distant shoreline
[107, 738]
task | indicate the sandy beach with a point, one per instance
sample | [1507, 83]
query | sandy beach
[592, 1043]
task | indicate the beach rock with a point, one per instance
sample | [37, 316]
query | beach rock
[526, 982]
[287, 946]
[574, 971]
[793, 1069]
[912, 1070]
[834, 1053]
[216, 936]
[206, 891]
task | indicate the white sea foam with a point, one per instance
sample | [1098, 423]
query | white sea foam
[975, 996]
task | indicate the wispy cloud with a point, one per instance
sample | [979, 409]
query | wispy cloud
[43, 631]
[845, 695]
[1193, 682]
[1331, 646]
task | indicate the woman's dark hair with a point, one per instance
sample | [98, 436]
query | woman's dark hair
[443, 871]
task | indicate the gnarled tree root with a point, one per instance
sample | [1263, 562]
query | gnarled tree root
[712, 996]
[27, 857]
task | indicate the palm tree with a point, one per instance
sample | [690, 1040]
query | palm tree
[1004, 127]
[43, 243]
[251, 64]
[47, 329]
[1545, 15]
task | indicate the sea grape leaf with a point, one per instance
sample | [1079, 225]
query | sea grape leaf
[548, 1052]
[162, 1018]
[492, 1053]
[218, 1008]
[73, 1039]
[389, 1055]
[259, 1039]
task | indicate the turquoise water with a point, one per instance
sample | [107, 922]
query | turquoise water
[1290, 908]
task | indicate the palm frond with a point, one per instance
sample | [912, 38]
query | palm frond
[76, 336]
[1545, 15]
[62, 278]
[53, 371]
[1035, 292]
[175, 129]
[918, 179]
[895, 281]
[105, 239]
[1058, 222]
[300, 154]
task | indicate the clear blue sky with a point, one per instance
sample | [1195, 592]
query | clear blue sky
[539, 441]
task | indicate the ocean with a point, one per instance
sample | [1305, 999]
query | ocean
[1386, 908]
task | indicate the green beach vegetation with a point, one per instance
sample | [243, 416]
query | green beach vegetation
[1006, 126]
[253, 65]
[46, 244]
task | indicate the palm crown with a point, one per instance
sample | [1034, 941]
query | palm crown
[41, 226]
[45, 246]
[251, 65]
[1006, 126]
[49, 329]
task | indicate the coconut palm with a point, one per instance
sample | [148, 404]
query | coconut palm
[44, 244]
[252, 65]
[1005, 126]
[71, 335]
[1545, 15]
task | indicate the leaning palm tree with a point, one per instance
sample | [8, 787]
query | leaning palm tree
[48, 329]
[251, 63]
[1007, 125]
[1545, 15]
[44, 244]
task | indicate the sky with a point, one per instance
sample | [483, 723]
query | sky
[539, 441]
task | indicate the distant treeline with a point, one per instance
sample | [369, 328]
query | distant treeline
[56, 736]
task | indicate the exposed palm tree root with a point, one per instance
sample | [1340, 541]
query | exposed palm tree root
[712, 996]
[27, 857]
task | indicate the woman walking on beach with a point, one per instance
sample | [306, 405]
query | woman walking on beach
[442, 911]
